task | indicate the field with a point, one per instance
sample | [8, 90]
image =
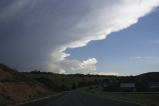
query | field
[147, 98]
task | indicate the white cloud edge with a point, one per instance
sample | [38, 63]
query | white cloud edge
[142, 11]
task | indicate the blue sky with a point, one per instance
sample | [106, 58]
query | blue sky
[80, 36]
[132, 51]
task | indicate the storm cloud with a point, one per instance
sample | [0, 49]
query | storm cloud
[36, 33]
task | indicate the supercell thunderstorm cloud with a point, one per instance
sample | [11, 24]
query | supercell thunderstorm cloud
[37, 33]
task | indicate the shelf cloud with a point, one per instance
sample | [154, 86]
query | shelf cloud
[40, 31]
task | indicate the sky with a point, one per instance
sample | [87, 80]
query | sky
[118, 37]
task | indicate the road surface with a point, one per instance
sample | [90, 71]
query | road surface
[76, 98]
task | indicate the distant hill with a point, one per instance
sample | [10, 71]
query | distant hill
[150, 76]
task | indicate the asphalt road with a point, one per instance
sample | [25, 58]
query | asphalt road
[76, 98]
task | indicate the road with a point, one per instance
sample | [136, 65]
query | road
[76, 98]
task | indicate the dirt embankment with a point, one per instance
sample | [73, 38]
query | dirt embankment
[15, 88]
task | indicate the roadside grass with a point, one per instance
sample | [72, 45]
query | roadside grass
[45, 95]
[38, 97]
[4, 101]
[147, 98]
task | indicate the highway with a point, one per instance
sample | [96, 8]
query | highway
[77, 98]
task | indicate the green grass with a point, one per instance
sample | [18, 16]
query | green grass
[143, 98]
[4, 101]
[37, 97]
[67, 80]
[45, 95]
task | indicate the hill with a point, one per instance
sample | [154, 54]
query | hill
[150, 76]
[15, 87]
